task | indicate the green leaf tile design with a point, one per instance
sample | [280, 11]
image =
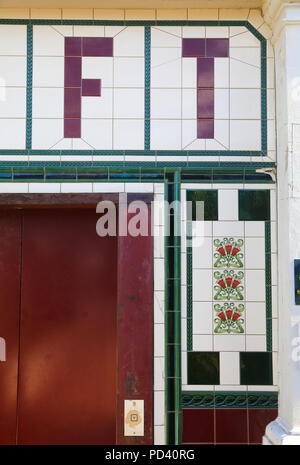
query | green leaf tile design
[228, 285]
[229, 318]
[228, 253]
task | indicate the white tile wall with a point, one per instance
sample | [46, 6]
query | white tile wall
[202, 318]
[128, 134]
[237, 106]
[254, 338]
[229, 368]
[129, 42]
[202, 342]
[243, 76]
[255, 285]
[202, 256]
[13, 49]
[48, 71]
[122, 89]
[251, 56]
[159, 317]
[255, 253]
[228, 205]
[12, 39]
[129, 72]
[173, 86]
[15, 127]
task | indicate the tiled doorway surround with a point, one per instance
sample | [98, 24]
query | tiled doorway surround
[167, 128]
[229, 312]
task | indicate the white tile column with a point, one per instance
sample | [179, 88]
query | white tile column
[286, 25]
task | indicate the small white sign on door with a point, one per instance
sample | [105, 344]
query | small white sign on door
[133, 417]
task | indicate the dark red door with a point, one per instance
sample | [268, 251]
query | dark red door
[10, 262]
[77, 343]
[67, 371]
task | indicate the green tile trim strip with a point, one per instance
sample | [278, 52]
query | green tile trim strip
[234, 399]
[189, 287]
[24, 171]
[147, 85]
[173, 310]
[95, 22]
[177, 305]
[168, 347]
[154, 153]
[147, 25]
[268, 285]
[29, 88]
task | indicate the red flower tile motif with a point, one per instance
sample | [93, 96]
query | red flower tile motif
[229, 318]
[205, 51]
[228, 253]
[228, 285]
[75, 86]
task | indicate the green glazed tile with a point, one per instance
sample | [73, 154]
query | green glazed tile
[210, 199]
[254, 205]
[256, 368]
[203, 368]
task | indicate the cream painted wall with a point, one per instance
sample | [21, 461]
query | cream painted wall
[134, 3]
[133, 11]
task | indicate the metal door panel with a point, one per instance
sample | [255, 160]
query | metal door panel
[67, 387]
[10, 256]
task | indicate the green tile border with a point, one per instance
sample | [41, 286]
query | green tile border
[153, 153]
[147, 122]
[230, 399]
[189, 286]
[177, 305]
[147, 24]
[29, 87]
[206, 172]
[173, 416]
[268, 285]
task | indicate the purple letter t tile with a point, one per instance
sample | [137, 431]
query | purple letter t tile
[205, 51]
